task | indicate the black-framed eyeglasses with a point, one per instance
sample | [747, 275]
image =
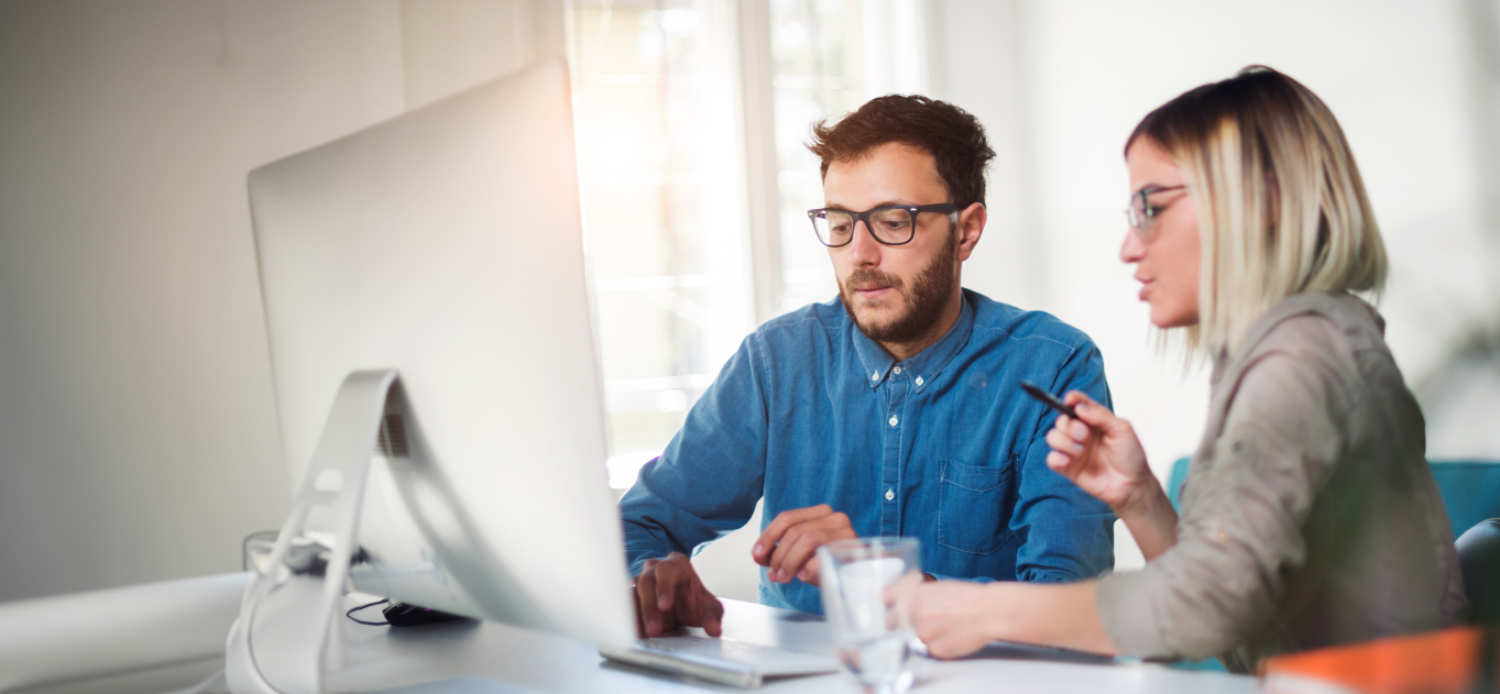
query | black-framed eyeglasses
[891, 225]
[1141, 212]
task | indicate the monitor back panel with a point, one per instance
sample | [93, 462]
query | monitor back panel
[446, 243]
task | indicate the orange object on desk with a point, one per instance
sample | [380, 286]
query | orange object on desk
[1439, 662]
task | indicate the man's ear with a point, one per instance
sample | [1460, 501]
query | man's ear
[970, 227]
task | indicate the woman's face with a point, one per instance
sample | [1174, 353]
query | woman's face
[1166, 253]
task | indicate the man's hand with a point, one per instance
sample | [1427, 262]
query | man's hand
[789, 545]
[668, 594]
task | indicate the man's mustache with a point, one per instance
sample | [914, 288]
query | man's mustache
[871, 277]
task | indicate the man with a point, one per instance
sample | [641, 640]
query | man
[895, 409]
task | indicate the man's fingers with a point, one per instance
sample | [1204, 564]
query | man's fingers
[635, 605]
[787, 519]
[688, 605]
[764, 546]
[712, 611]
[668, 579]
[670, 594]
[778, 560]
[810, 572]
[798, 554]
[650, 615]
[707, 611]
[713, 622]
[804, 549]
[696, 606]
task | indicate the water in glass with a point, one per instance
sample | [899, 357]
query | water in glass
[867, 591]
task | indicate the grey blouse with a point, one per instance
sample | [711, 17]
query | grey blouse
[1309, 516]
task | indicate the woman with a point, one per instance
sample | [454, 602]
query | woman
[1309, 516]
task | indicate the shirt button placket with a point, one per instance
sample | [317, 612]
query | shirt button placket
[896, 390]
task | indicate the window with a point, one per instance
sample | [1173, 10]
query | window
[662, 173]
[830, 57]
[661, 222]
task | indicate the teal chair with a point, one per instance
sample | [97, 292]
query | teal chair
[1470, 489]
[1175, 480]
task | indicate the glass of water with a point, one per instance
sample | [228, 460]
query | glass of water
[868, 588]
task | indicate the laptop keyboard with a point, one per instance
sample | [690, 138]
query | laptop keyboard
[767, 659]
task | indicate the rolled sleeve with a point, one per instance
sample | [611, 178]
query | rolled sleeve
[707, 481]
[1068, 534]
[1240, 535]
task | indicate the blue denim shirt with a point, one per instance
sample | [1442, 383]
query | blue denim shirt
[944, 447]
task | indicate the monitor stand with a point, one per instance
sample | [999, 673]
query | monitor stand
[289, 634]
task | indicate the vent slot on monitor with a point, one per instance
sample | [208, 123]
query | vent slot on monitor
[392, 443]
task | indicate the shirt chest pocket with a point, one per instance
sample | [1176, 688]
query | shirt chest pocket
[974, 506]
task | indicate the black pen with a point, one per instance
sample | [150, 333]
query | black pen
[1048, 399]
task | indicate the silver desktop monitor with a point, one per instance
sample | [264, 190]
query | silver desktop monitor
[443, 249]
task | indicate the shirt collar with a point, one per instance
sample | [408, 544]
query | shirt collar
[923, 367]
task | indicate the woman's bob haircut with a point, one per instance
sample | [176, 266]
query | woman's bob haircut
[1281, 207]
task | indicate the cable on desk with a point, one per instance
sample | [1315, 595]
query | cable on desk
[350, 613]
[214, 683]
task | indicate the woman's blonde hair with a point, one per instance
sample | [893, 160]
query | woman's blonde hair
[1281, 207]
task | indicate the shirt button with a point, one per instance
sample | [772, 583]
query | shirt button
[889, 495]
[893, 420]
[875, 376]
[919, 380]
[897, 369]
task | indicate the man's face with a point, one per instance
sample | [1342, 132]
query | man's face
[894, 293]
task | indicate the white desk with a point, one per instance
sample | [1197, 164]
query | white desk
[165, 636]
[380, 658]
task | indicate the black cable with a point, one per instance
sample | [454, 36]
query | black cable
[350, 613]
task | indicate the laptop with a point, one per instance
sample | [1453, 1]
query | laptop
[721, 660]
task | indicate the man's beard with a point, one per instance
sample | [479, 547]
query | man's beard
[924, 301]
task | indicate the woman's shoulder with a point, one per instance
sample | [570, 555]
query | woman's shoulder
[1323, 328]
[1342, 309]
[1326, 347]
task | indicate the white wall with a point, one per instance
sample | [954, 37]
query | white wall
[138, 439]
[1061, 85]
[137, 432]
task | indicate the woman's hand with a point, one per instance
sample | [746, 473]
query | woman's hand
[951, 617]
[1100, 453]
[956, 618]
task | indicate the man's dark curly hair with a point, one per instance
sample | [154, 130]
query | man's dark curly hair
[953, 137]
